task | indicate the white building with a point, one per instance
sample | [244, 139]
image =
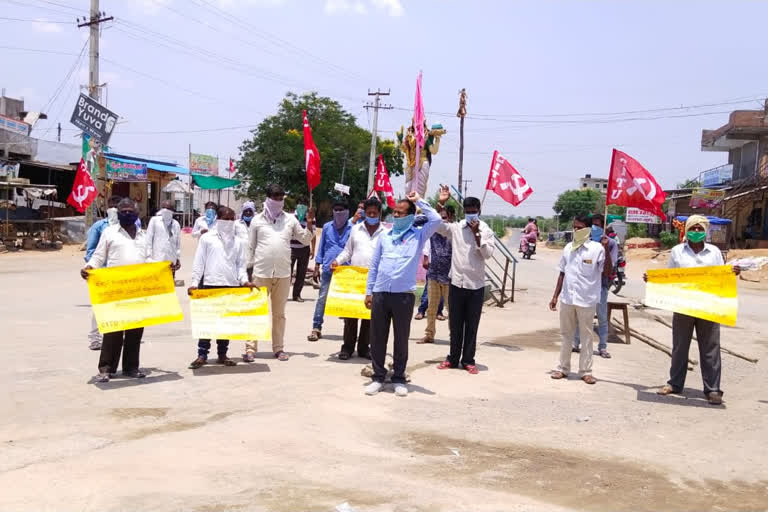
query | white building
[600, 184]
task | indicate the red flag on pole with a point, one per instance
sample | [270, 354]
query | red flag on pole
[311, 156]
[382, 183]
[231, 166]
[506, 182]
[630, 184]
[83, 189]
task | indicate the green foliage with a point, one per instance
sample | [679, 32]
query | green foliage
[694, 183]
[637, 231]
[668, 239]
[575, 202]
[275, 153]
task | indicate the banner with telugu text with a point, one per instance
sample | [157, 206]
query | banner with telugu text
[230, 314]
[346, 296]
[702, 292]
[133, 296]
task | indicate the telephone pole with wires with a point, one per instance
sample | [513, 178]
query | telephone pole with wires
[375, 106]
[95, 19]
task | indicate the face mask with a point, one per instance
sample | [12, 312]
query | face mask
[226, 230]
[248, 219]
[340, 218]
[210, 216]
[696, 236]
[596, 233]
[371, 221]
[301, 211]
[400, 225]
[127, 219]
[112, 216]
[361, 213]
[167, 216]
[273, 208]
[580, 236]
[471, 217]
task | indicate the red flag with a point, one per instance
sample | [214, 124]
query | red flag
[382, 183]
[311, 156]
[83, 189]
[506, 181]
[231, 166]
[630, 184]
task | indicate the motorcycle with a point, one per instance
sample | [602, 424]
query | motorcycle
[530, 249]
[618, 279]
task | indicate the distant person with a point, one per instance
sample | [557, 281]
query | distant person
[358, 252]
[472, 245]
[92, 241]
[695, 252]
[389, 292]
[220, 262]
[530, 234]
[421, 311]
[206, 221]
[121, 244]
[247, 212]
[438, 274]
[332, 241]
[269, 253]
[301, 253]
[164, 237]
[583, 264]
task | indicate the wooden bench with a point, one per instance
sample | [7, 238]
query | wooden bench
[623, 307]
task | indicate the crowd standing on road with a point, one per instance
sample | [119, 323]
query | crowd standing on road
[260, 250]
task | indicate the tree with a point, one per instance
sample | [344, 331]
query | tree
[572, 203]
[275, 153]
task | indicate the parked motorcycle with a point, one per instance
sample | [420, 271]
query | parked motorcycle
[618, 279]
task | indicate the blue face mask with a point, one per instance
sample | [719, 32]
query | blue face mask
[596, 233]
[210, 216]
[471, 217]
[247, 218]
[372, 221]
[400, 225]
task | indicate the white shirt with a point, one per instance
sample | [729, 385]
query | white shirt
[217, 265]
[360, 245]
[241, 230]
[117, 248]
[583, 269]
[427, 249]
[164, 244]
[269, 251]
[200, 225]
[682, 256]
[467, 259]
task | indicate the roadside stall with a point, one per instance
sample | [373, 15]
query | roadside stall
[22, 226]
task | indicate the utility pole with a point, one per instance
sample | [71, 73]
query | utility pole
[465, 187]
[344, 167]
[461, 114]
[375, 106]
[58, 135]
[92, 22]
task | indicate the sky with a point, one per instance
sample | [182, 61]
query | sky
[552, 85]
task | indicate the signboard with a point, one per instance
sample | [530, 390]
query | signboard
[125, 171]
[14, 125]
[9, 170]
[344, 189]
[716, 176]
[346, 296]
[706, 198]
[133, 296]
[94, 118]
[638, 216]
[206, 165]
[701, 292]
[230, 314]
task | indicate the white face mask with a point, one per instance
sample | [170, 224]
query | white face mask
[112, 216]
[226, 230]
[167, 216]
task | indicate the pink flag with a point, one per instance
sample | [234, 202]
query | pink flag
[383, 184]
[506, 181]
[418, 116]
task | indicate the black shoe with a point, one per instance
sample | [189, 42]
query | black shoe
[343, 356]
[364, 355]
[134, 374]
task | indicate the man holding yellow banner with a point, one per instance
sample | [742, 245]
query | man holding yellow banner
[220, 262]
[690, 294]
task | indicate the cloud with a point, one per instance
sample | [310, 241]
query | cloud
[47, 27]
[393, 7]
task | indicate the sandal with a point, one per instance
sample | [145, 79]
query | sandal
[442, 318]
[425, 339]
[604, 354]
[445, 365]
[419, 316]
[666, 389]
[471, 369]
[344, 356]
[226, 361]
[558, 375]
[282, 356]
[589, 379]
[249, 357]
[101, 378]
[314, 335]
[197, 363]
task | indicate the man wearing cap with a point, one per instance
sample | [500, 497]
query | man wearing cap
[695, 252]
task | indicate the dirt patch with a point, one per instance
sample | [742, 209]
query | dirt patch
[177, 426]
[577, 480]
[140, 412]
[311, 497]
[544, 339]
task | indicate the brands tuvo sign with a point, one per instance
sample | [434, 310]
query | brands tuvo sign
[94, 118]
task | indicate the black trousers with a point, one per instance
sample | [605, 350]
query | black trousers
[351, 336]
[396, 309]
[708, 334]
[465, 307]
[301, 258]
[128, 342]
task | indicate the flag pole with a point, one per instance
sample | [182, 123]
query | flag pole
[482, 201]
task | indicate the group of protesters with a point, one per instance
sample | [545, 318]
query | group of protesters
[260, 250]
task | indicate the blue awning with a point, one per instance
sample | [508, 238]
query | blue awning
[155, 166]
